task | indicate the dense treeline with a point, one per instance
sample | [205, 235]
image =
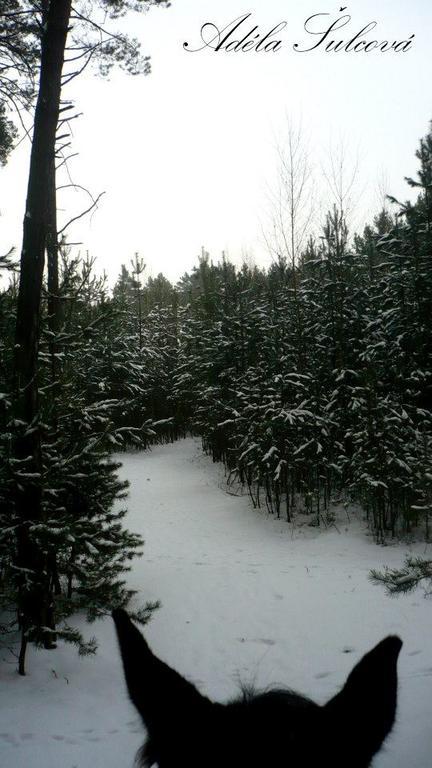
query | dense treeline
[315, 381]
[308, 392]
[311, 381]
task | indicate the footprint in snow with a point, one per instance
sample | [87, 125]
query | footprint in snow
[414, 653]
[347, 649]
[321, 675]
[9, 737]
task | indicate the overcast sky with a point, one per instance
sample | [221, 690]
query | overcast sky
[186, 155]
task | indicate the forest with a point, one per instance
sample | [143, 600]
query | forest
[310, 380]
[311, 383]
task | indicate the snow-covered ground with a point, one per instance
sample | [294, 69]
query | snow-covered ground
[244, 597]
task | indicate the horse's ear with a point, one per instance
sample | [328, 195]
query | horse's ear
[159, 693]
[364, 710]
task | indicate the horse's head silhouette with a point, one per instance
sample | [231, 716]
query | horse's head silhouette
[275, 729]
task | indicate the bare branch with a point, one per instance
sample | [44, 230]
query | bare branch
[84, 213]
[66, 159]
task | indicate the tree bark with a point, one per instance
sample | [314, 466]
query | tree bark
[35, 599]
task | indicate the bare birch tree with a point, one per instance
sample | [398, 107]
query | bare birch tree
[292, 200]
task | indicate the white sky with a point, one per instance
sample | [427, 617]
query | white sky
[186, 154]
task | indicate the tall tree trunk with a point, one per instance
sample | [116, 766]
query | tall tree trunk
[54, 321]
[54, 304]
[35, 592]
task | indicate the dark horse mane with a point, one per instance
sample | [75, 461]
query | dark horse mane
[273, 728]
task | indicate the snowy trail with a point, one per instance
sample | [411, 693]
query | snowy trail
[243, 596]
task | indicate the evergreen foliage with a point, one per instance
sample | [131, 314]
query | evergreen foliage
[415, 571]
[83, 418]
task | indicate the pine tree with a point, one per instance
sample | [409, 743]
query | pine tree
[85, 546]
[415, 571]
